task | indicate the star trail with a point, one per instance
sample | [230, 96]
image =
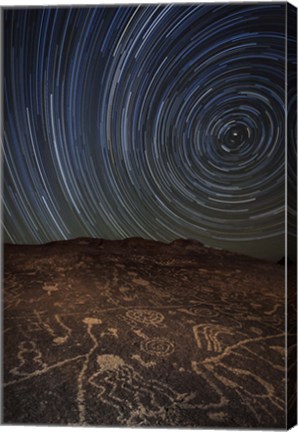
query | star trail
[161, 122]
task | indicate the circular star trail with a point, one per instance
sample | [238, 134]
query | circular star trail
[153, 121]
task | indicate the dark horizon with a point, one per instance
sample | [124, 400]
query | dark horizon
[276, 259]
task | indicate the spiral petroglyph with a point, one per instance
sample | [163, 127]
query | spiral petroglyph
[145, 316]
[158, 346]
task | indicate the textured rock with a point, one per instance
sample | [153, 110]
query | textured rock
[137, 332]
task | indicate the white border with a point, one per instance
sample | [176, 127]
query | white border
[23, 3]
[111, 2]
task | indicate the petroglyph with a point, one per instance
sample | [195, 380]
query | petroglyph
[147, 317]
[158, 346]
[147, 364]
[217, 416]
[50, 288]
[208, 336]
[141, 282]
[246, 383]
[29, 359]
[90, 322]
[113, 373]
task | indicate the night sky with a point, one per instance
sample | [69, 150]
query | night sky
[158, 122]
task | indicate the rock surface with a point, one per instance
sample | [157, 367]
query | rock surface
[141, 333]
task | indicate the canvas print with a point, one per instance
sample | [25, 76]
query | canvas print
[149, 215]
